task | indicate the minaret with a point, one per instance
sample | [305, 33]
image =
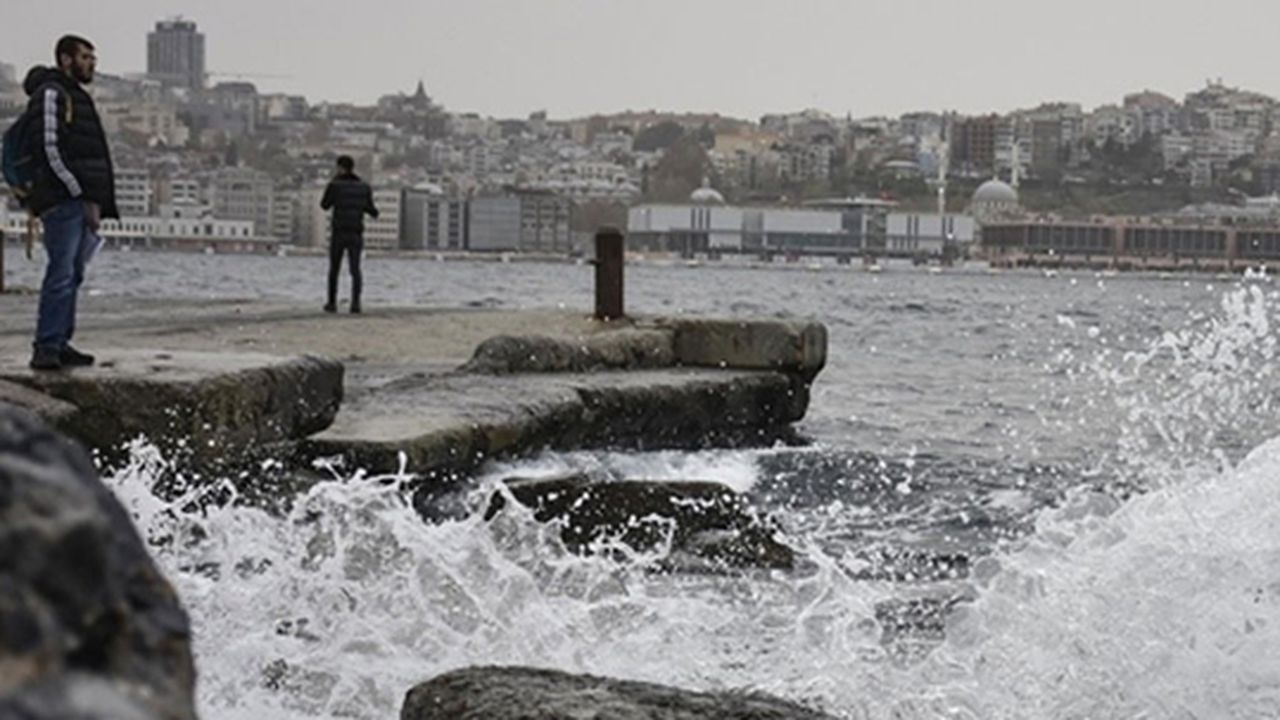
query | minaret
[944, 162]
[1017, 162]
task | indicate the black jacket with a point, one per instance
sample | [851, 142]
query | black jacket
[351, 199]
[75, 161]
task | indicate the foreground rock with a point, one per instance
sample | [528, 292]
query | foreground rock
[89, 628]
[202, 408]
[530, 694]
[705, 523]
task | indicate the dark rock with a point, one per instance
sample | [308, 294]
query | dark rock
[89, 627]
[498, 693]
[704, 520]
[56, 413]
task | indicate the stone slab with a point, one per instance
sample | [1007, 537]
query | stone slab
[194, 405]
[629, 348]
[455, 421]
[789, 346]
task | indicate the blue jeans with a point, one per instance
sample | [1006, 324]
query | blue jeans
[67, 243]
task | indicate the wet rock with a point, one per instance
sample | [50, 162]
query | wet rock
[796, 347]
[201, 408]
[706, 523]
[618, 349]
[507, 693]
[77, 696]
[57, 413]
[452, 423]
[89, 627]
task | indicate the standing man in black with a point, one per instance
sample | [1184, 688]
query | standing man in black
[351, 199]
[74, 191]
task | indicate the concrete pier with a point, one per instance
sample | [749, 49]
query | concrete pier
[444, 388]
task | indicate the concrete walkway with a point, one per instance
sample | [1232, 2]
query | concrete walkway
[405, 384]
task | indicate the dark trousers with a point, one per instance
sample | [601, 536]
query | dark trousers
[352, 246]
[67, 242]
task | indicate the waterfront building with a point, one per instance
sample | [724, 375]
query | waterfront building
[520, 220]
[1128, 243]
[431, 220]
[841, 227]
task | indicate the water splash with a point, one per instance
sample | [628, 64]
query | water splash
[339, 607]
[1165, 605]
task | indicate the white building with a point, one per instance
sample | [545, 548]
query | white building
[842, 227]
[240, 193]
[158, 227]
[134, 194]
[283, 212]
[310, 222]
[383, 233]
[926, 233]
[1175, 147]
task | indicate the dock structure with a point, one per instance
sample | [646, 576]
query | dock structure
[443, 389]
[1127, 244]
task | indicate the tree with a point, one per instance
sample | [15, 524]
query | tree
[658, 137]
[680, 171]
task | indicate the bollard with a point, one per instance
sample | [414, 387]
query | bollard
[608, 262]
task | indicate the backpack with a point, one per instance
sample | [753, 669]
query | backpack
[21, 154]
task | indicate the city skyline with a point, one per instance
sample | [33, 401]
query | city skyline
[990, 56]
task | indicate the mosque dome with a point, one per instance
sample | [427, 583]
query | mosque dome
[995, 192]
[706, 195]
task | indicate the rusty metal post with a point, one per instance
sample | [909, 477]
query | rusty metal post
[608, 262]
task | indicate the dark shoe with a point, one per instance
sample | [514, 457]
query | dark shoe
[46, 359]
[72, 357]
[331, 308]
[355, 308]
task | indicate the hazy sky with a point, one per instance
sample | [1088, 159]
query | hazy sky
[738, 57]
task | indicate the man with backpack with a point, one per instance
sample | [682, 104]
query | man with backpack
[351, 199]
[57, 161]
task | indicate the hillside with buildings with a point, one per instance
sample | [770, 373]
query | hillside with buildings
[220, 162]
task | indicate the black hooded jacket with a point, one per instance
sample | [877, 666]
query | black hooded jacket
[75, 161]
[351, 199]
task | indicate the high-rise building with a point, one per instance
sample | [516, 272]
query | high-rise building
[973, 146]
[175, 54]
